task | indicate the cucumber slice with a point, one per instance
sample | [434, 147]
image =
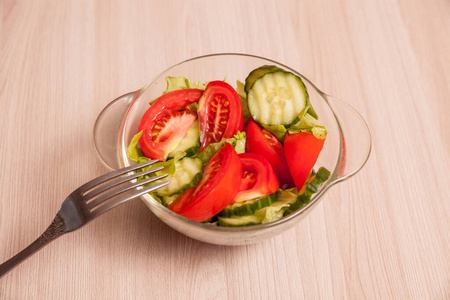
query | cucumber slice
[256, 73]
[239, 221]
[263, 215]
[190, 142]
[311, 187]
[277, 98]
[188, 171]
[247, 207]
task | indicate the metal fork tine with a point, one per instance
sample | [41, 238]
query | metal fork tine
[116, 181]
[114, 192]
[124, 198]
[90, 184]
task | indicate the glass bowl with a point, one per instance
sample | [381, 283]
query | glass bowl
[345, 152]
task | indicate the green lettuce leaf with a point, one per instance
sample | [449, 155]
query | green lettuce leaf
[134, 152]
[180, 83]
[287, 195]
[238, 142]
[307, 123]
[273, 212]
[168, 165]
[277, 130]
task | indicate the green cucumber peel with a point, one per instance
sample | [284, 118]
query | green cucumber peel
[311, 188]
[248, 207]
[240, 90]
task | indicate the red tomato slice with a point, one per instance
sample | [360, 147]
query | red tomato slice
[219, 113]
[262, 141]
[159, 140]
[219, 185]
[172, 101]
[182, 199]
[302, 150]
[165, 125]
[258, 178]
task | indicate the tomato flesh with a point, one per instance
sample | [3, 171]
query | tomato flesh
[219, 185]
[302, 150]
[166, 122]
[166, 133]
[220, 113]
[262, 141]
[258, 178]
[182, 199]
[248, 180]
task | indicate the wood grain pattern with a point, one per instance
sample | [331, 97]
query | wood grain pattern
[383, 234]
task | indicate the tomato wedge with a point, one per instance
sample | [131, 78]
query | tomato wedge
[219, 113]
[258, 178]
[166, 122]
[217, 188]
[302, 150]
[262, 141]
[182, 199]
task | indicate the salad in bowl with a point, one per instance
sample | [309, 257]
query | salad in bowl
[250, 145]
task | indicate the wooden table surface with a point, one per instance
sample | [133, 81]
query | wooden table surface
[383, 234]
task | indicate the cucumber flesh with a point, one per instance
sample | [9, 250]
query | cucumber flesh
[188, 171]
[248, 207]
[190, 142]
[257, 73]
[277, 98]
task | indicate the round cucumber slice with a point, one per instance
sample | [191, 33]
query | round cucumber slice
[277, 98]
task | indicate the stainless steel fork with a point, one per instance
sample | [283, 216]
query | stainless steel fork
[91, 200]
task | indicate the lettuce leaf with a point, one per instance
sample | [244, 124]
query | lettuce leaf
[238, 142]
[307, 123]
[287, 195]
[134, 152]
[273, 212]
[180, 83]
[168, 165]
[277, 130]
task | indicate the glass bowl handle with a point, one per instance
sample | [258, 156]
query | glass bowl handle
[355, 138]
[108, 128]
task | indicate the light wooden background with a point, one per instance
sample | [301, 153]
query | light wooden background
[383, 234]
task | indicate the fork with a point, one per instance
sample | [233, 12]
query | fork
[90, 201]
